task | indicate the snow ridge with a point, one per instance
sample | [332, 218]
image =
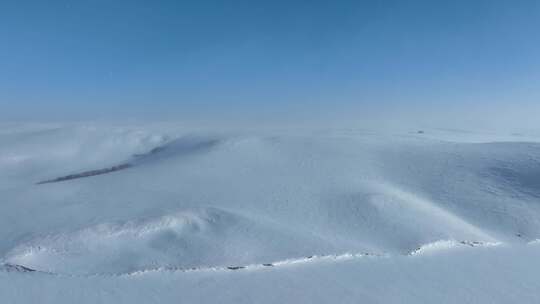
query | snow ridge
[430, 248]
[449, 244]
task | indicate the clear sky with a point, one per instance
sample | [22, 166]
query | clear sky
[182, 59]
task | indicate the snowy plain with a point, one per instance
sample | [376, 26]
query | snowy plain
[197, 215]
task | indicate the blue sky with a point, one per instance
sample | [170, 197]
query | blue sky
[206, 59]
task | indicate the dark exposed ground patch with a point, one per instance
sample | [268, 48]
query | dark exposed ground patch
[16, 268]
[86, 174]
[182, 146]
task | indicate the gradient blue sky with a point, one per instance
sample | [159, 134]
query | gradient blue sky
[178, 59]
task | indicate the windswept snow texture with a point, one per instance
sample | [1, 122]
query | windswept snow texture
[154, 214]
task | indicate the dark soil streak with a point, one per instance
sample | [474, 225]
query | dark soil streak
[86, 174]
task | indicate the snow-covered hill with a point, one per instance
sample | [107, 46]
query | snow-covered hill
[158, 213]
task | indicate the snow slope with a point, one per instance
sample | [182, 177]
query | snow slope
[155, 213]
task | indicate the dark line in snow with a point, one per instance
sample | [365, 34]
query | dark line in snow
[86, 174]
[16, 268]
[427, 248]
[182, 146]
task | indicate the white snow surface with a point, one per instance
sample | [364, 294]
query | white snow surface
[268, 216]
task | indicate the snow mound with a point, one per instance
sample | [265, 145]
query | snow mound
[199, 238]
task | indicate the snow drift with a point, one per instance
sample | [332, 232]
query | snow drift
[157, 202]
